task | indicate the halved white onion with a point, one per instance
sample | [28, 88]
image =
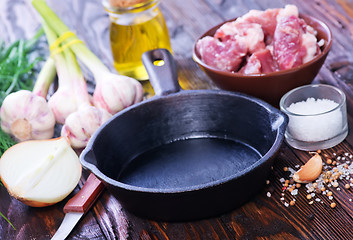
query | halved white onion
[40, 172]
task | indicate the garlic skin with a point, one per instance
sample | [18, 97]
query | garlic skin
[115, 92]
[40, 173]
[79, 126]
[26, 116]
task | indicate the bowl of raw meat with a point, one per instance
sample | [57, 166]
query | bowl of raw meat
[264, 53]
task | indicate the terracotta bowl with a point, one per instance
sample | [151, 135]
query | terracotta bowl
[270, 86]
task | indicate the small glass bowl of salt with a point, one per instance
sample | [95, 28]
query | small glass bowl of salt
[317, 117]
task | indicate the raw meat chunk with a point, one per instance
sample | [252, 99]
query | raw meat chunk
[309, 42]
[259, 62]
[287, 11]
[267, 20]
[294, 42]
[226, 55]
[247, 34]
[287, 46]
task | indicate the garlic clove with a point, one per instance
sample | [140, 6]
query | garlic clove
[310, 171]
[40, 172]
[81, 125]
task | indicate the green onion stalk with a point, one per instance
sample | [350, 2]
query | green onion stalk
[113, 92]
[71, 102]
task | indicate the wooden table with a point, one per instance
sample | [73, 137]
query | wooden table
[265, 216]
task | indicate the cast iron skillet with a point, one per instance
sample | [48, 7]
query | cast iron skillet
[185, 155]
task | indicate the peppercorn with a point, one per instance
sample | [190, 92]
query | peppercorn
[292, 203]
[298, 185]
[285, 169]
[329, 161]
[329, 193]
[333, 205]
[347, 186]
[308, 196]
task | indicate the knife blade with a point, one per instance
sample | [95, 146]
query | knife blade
[78, 205]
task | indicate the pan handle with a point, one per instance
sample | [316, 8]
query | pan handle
[162, 71]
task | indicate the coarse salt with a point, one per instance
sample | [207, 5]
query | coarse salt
[294, 192]
[307, 123]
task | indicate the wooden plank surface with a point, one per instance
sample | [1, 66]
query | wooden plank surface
[263, 217]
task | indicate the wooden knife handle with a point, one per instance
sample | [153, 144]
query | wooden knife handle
[85, 198]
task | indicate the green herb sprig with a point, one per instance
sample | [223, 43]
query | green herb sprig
[16, 65]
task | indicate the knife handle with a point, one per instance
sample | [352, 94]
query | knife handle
[85, 198]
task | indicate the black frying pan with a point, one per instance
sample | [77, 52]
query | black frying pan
[185, 155]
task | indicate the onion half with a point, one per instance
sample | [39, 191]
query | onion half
[40, 172]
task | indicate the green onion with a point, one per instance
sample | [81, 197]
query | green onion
[113, 92]
[87, 57]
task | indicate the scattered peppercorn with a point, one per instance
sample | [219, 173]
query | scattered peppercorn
[335, 168]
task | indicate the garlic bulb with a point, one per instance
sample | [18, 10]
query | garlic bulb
[115, 92]
[40, 172]
[26, 115]
[79, 126]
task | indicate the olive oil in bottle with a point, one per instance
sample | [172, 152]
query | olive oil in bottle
[134, 30]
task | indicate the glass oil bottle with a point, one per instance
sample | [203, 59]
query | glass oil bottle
[135, 29]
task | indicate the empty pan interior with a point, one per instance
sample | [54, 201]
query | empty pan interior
[183, 140]
[188, 162]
